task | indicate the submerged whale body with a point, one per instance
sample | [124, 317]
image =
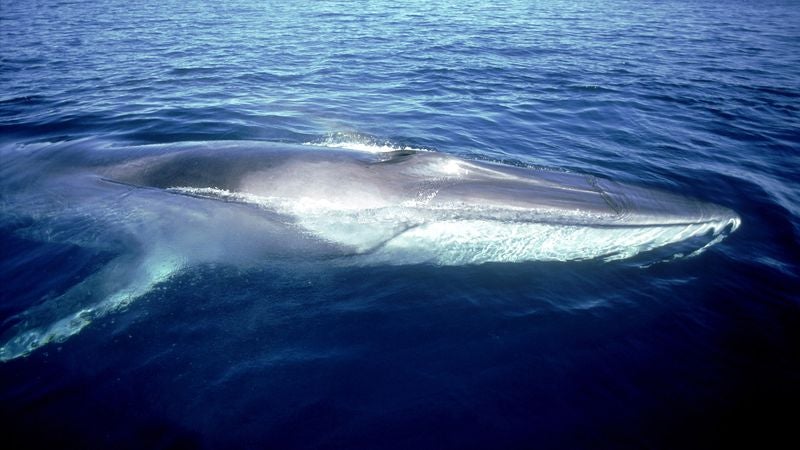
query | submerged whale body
[161, 208]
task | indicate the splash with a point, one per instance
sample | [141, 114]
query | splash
[362, 142]
[144, 275]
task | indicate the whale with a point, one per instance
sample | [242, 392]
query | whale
[158, 209]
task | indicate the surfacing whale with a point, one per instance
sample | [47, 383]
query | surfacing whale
[161, 208]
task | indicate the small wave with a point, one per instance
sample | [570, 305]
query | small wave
[216, 194]
[144, 274]
[362, 142]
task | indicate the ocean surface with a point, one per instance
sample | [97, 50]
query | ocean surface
[694, 97]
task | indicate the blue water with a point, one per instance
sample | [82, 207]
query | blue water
[700, 98]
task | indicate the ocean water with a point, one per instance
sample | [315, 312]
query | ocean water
[697, 98]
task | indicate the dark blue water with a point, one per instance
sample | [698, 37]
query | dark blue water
[700, 98]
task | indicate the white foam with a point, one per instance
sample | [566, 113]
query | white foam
[474, 242]
[361, 142]
[156, 268]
